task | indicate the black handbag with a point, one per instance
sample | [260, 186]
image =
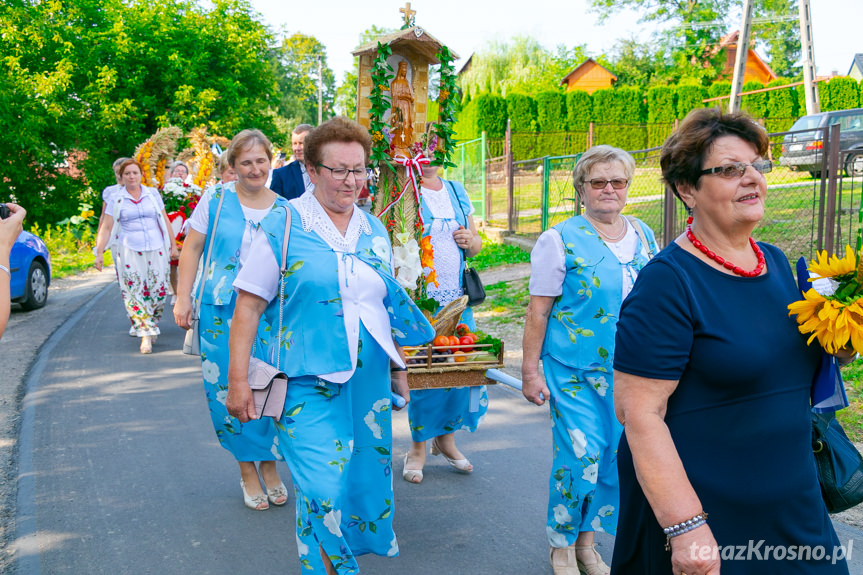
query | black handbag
[839, 464]
[470, 282]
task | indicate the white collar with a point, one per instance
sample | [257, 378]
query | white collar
[315, 218]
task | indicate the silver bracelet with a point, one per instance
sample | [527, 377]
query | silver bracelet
[5, 269]
[683, 527]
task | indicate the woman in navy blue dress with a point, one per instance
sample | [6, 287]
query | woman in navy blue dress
[712, 382]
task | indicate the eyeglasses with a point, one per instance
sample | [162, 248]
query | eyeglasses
[617, 184]
[737, 169]
[341, 174]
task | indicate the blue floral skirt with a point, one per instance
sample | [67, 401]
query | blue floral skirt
[337, 441]
[584, 491]
[251, 441]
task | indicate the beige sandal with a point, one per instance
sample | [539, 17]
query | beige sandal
[598, 568]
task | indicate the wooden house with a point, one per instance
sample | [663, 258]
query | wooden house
[588, 76]
[757, 69]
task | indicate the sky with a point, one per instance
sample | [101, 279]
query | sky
[466, 26]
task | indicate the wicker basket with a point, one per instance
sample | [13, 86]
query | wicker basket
[448, 317]
[430, 370]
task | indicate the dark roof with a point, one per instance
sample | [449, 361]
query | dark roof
[858, 61]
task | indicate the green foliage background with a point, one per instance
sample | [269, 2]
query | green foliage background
[85, 81]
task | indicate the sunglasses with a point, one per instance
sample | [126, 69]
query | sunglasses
[617, 184]
[737, 169]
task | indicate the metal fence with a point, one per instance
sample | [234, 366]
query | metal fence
[803, 213]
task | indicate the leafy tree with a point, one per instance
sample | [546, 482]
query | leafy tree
[690, 44]
[522, 65]
[303, 60]
[91, 79]
[635, 64]
[779, 35]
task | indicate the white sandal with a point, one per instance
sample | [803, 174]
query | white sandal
[460, 465]
[411, 475]
[254, 501]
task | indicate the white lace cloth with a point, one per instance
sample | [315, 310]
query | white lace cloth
[361, 288]
[447, 255]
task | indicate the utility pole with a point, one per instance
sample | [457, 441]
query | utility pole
[740, 56]
[320, 91]
[807, 47]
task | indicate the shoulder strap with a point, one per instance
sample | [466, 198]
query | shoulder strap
[212, 234]
[282, 269]
[641, 235]
[448, 184]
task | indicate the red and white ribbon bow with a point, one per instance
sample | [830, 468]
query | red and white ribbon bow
[413, 167]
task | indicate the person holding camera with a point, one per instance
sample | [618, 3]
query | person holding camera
[11, 224]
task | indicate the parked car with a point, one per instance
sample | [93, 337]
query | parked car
[30, 264]
[802, 151]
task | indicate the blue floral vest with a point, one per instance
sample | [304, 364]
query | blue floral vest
[583, 319]
[314, 340]
[225, 258]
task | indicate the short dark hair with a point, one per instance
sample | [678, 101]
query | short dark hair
[302, 128]
[339, 129]
[683, 153]
[245, 141]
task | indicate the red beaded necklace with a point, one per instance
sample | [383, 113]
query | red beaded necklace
[722, 261]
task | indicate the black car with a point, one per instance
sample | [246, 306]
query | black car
[803, 151]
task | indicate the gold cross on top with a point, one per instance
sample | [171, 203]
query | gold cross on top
[408, 14]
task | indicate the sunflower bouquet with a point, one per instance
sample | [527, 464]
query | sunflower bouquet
[831, 310]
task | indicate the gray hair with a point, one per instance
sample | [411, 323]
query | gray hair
[600, 155]
[175, 165]
[302, 129]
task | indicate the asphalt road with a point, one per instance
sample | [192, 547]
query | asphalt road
[119, 472]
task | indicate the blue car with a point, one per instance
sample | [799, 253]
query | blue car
[30, 264]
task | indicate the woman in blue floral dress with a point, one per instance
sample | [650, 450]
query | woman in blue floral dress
[581, 270]
[239, 207]
[343, 323]
[436, 414]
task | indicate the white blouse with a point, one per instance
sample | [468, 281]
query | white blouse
[447, 255]
[141, 221]
[548, 262]
[361, 288]
[200, 222]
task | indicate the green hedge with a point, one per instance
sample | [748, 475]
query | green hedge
[661, 102]
[551, 111]
[839, 93]
[579, 110]
[490, 115]
[522, 112]
[689, 98]
[464, 127]
[754, 104]
[623, 107]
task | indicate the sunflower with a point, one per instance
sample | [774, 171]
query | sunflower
[831, 266]
[834, 323]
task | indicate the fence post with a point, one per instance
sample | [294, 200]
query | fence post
[462, 164]
[486, 199]
[510, 203]
[590, 135]
[546, 168]
[669, 219]
[832, 177]
[822, 198]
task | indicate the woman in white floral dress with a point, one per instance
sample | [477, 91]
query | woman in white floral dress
[137, 229]
[244, 204]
